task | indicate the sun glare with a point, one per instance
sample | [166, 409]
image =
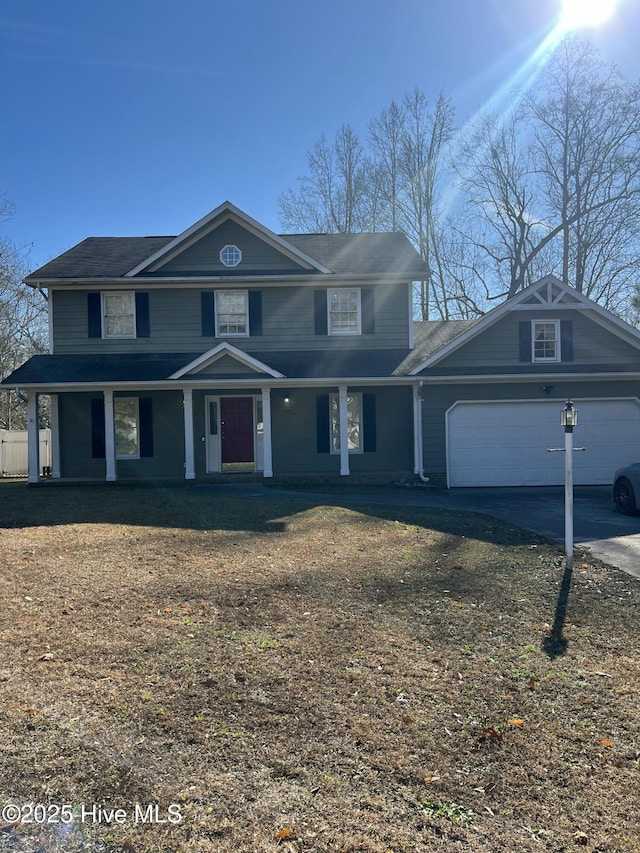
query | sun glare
[586, 13]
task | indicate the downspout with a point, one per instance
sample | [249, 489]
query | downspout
[419, 429]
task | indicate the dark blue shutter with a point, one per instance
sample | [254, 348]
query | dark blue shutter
[323, 426]
[525, 341]
[369, 423]
[368, 311]
[566, 340]
[320, 311]
[94, 315]
[208, 313]
[142, 315]
[97, 428]
[145, 415]
[255, 312]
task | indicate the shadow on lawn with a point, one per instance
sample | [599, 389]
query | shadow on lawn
[555, 644]
[183, 507]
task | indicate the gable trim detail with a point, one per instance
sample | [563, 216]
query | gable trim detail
[547, 293]
[208, 223]
[218, 352]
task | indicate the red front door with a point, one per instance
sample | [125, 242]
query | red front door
[236, 428]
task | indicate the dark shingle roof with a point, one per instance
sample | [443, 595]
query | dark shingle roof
[114, 257]
[429, 337]
[154, 367]
[362, 253]
[100, 257]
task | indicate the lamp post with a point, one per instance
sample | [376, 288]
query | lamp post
[568, 419]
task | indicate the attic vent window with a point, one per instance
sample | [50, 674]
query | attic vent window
[230, 256]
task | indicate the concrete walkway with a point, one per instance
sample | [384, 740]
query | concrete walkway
[609, 536]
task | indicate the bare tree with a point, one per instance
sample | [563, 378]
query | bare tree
[558, 180]
[23, 322]
[334, 196]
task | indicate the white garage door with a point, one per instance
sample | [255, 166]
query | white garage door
[505, 443]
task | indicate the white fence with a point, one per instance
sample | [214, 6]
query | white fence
[13, 452]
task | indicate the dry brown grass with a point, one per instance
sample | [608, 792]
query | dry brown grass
[309, 678]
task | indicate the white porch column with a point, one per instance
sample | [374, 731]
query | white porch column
[417, 430]
[109, 438]
[189, 454]
[266, 432]
[33, 438]
[344, 431]
[55, 437]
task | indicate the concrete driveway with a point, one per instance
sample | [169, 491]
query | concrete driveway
[609, 536]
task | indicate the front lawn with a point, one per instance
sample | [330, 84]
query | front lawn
[278, 676]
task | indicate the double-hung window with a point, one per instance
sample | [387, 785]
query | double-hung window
[118, 314]
[127, 427]
[232, 313]
[343, 308]
[545, 340]
[354, 422]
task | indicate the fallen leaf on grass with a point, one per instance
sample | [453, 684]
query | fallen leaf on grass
[408, 720]
[285, 833]
[516, 721]
[606, 742]
[533, 685]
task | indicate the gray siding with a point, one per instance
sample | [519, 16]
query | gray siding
[203, 258]
[74, 415]
[295, 442]
[287, 323]
[168, 439]
[499, 345]
[439, 398]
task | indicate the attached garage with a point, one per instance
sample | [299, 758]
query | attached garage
[505, 443]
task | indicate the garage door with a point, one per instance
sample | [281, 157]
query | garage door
[505, 443]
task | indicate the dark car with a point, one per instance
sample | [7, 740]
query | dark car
[626, 489]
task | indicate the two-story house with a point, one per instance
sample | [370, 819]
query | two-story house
[232, 349]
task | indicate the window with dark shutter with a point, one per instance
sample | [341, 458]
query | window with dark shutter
[566, 340]
[145, 412]
[369, 428]
[255, 312]
[94, 315]
[525, 341]
[368, 312]
[97, 428]
[208, 313]
[142, 315]
[320, 311]
[323, 424]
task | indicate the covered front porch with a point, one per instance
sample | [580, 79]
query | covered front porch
[202, 431]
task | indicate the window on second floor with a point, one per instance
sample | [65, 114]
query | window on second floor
[119, 314]
[232, 313]
[545, 340]
[343, 306]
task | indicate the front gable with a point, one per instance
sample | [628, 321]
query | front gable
[199, 251]
[226, 361]
[548, 327]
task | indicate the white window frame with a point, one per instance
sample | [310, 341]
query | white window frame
[557, 355]
[237, 255]
[116, 402]
[218, 296]
[105, 294]
[358, 329]
[334, 421]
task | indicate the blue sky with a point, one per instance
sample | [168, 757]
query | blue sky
[136, 117]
